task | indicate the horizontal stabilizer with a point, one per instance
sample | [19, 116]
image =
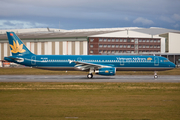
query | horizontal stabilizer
[14, 58]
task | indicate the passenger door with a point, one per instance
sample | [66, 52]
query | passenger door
[121, 61]
[156, 61]
[33, 60]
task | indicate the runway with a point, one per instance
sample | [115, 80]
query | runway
[82, 78]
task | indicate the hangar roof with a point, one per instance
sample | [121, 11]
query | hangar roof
[155, 30]
[46, 35]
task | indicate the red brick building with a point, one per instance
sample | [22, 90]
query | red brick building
[110, 45]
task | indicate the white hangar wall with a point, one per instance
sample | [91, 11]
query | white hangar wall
[174, 43]
[49, 48]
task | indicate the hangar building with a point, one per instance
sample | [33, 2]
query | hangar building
[131, 40]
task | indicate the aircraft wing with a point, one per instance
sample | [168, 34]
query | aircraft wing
[87, 65]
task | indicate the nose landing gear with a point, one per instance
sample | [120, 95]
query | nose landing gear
[155, 75]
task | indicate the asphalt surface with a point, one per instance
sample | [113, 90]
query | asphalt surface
[83, 78]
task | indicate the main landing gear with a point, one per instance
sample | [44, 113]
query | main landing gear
[90, 75]
[155, 75]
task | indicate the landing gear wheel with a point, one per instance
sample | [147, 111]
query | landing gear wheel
[155, 77]
[90, 76]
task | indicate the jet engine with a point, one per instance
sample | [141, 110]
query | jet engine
[106, 71]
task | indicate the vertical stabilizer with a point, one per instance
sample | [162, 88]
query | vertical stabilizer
[17, 47]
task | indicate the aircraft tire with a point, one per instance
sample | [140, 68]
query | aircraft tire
[89, 76]
[155, 77]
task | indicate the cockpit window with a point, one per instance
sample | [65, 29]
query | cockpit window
[166, 60]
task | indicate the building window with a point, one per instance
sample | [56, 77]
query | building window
[100, 40]
[132, 40]
[124, 46]
[128, 51]
[158, 46]
[151, 46]
[109, 51]
[91, 40]
[136, 46]
[124, 51]
[117, 40]
[128, 46]
[140, 40]
[109, 46]
[91, 51]
[113, 51]
[113, 40]
[147, 41]
[132, 46]
[117, 51]
[125, 40]
[147, 46]
[91, 45]
[104, 51]
[121, 46]
[136, 41]
[121, 40]
[113, 46]
[140, 46]
[117, 46]
[100, 45]
[100, 51]
[154, 40]
[120, 51]
[155, 46]
[105, 46]
[132, 51]
[105, 40]
[151, 40]
[158, 41]
[144, 40]
[109, 40]
[128, 40]
[144, 46]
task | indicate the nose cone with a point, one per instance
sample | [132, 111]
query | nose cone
[172, 65]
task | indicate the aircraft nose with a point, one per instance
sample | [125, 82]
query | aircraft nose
[172, 65]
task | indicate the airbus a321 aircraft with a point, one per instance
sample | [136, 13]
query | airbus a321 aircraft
[99, 64]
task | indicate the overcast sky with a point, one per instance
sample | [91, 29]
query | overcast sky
[84, 14]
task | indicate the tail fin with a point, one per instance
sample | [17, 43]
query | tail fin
[16, 45]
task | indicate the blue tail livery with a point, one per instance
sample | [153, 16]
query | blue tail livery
[106, 65]
[16, 45]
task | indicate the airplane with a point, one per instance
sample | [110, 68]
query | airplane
[106, 65]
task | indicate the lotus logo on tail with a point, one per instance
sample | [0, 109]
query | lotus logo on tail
[17, 48]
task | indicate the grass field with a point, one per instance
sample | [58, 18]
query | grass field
[33, 71]
[90, 101]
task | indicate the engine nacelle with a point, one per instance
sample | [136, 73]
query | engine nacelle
[106, 71]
